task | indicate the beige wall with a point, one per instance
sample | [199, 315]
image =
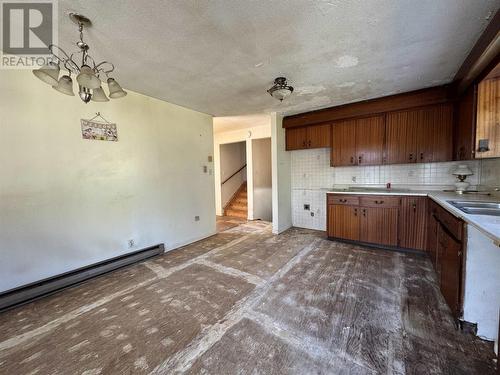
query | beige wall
[66, 202]
[281, 176]
[262, 179]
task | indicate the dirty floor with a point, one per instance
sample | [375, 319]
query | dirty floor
[248, 302]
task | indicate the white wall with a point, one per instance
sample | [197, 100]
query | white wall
[66, 202]
[262, 179]
[281, 176]
[482, 284]
[312, 176]
[246, 134]
[232, 157]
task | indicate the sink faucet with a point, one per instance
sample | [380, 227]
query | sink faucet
[388, 185]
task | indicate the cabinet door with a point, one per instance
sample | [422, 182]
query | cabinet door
[412, 223]
[379, 225]
[343, 222]
[319, 136]
[450, 262]
[296, 138]
[432, 241]
[343, 143]
[370, 137]
[401, 132]
[439, 121]
[465, 120]
[488, 118]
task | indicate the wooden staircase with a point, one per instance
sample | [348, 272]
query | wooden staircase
[238, 204]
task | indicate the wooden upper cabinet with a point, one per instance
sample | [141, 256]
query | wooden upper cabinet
[370, 137]
[413, 223]
[420, 135]
[358, 142]
[439, 120]
[296, 139]
[401, 130]
[465, 125]
[343, 143]
[318, 136]
[488, 119]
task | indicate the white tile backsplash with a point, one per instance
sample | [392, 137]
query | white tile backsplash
[312, 175]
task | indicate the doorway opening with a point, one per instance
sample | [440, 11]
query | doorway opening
[242, 164]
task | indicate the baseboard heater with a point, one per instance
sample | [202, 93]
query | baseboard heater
[51, 285]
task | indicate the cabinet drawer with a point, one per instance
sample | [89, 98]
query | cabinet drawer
[379, 201]
[348, 200]
[450, 222]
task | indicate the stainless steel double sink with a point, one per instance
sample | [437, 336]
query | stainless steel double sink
[477, 208]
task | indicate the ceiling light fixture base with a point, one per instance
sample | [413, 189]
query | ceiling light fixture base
[280, 90]
[80, 19]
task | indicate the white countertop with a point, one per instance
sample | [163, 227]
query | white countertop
[489, 225]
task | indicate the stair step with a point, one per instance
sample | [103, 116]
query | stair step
[238, 206]
[236, 213]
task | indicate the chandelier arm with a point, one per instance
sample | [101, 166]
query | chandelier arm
[60, 50]
[101, 69]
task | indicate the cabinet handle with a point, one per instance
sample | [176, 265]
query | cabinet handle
[414, 205]
[421, 156]
[364, 212]
[342, 200]
[355, 212]
[309, 143]
[352, 159]
[360, 158]
[379, 202]
[410, 157]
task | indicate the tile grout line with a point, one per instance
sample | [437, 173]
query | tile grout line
[183, 360]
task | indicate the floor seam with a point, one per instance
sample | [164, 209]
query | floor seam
[160, 272]
[253, 279]
[183, 360]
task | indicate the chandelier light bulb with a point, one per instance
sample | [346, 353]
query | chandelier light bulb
[65, 85]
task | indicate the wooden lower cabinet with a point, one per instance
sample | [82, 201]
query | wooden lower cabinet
[445, 250]
[413, 223]
[450, 267]
[405, 222]
[343, 222]
[379, 225]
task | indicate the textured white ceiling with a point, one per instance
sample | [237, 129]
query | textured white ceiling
[228, 123]
[220, 56]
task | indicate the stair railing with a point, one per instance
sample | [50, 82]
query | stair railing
[234, 174]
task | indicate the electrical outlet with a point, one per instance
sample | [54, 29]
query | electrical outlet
[312, 213]
[210, 158]
[353, 178]
[307, 207]
[205, 169]
[131, 243]
[196, 218]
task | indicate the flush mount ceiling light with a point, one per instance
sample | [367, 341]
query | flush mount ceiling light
[89, 74]
[280, 90]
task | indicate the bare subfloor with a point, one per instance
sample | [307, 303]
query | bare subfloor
[248, 302]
